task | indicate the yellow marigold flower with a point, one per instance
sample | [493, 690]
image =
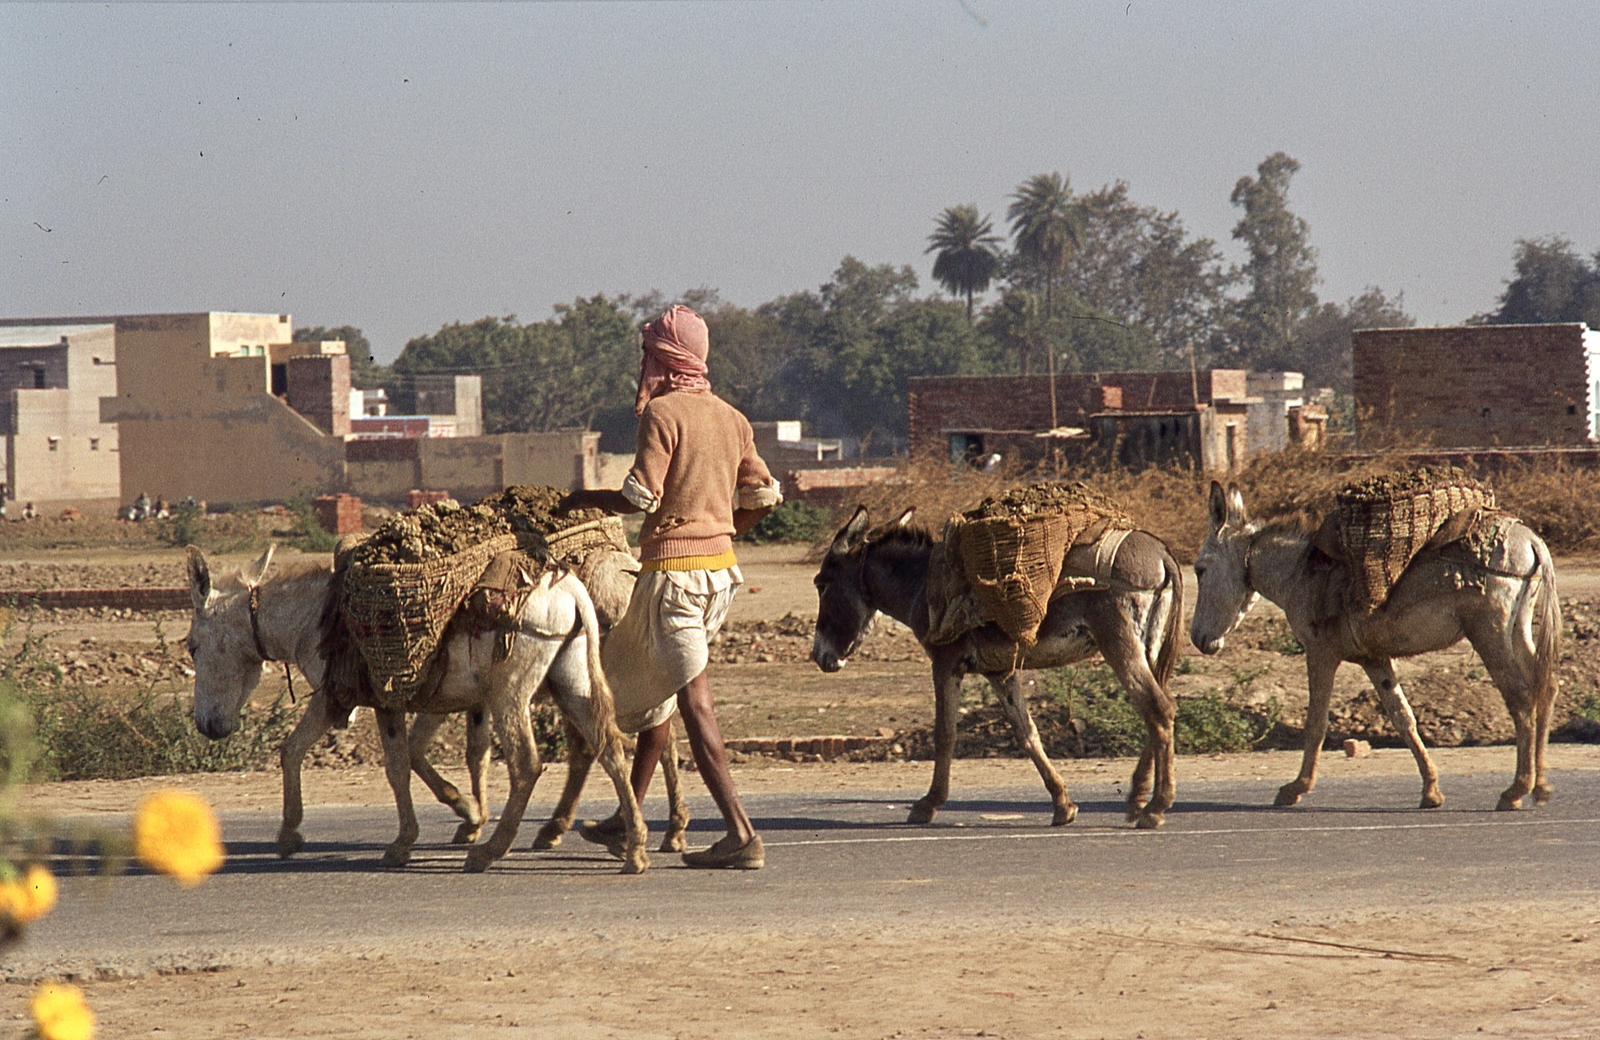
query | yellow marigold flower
[60, 1012]
[35, 895]
[176, 833]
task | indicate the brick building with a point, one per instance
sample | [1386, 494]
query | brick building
[1137, 418]
[1477, 386]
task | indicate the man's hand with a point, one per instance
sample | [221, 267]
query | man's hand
[744, 519]
[598, 498]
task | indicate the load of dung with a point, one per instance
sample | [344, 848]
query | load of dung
[1383, 522]
[1011, 547]
[400, 588]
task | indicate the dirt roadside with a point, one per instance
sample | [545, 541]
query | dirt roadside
[1525, 970]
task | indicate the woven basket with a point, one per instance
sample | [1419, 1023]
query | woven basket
[1381, 534]
[398, 611]
[573, 545]
[1012, 563]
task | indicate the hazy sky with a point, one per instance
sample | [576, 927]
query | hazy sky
[400, 166]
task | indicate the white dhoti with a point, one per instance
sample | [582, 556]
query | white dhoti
[664, 641]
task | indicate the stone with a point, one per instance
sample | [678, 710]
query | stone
[1357, 749]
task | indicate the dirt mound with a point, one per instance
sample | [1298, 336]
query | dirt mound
[788, 641]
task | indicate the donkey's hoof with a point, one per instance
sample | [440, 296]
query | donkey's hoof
[921, 812]
[636, 864]
[466, 833]
[289, 842]
[1149, 821]
[478, 860]
[549, 836]
[674, 843]
[1064, 815]
[1431, 799]
[1542, 794]
[397, 855]
[1508, 803]
[1288, 794]
[1135, 810]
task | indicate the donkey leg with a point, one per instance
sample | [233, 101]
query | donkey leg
[1542, 791]
[947, 676]
[1321, 664]
[1117, 636]
[1519, 698]
[677, 807]
[424, 727]
[1015, 703]
[579, 759]
[480, 744]
[312, 727]
[1398, 709]
[397, 765]
[515, 730]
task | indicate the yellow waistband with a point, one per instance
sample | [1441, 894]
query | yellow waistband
[721, 561]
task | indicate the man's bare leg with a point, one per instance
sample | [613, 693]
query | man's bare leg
[710, 755]
[650, 745]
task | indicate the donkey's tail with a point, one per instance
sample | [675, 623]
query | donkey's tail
[1547, 648]
[602, 704]
[1172, 637]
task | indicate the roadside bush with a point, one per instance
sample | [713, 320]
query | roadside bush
[790, 522]
[1110, 726]
[308, 534]
[184, 526]
[83, 733]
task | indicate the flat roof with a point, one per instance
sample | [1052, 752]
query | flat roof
[43, 335]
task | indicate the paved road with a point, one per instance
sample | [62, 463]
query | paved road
[989, 859]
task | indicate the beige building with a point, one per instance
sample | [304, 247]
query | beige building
[227, 408]
[58, 453]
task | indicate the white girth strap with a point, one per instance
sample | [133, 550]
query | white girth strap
[1105, 554]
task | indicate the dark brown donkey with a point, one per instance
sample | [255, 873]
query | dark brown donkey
[1132, 620]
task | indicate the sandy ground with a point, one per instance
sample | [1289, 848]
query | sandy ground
[1522, 969]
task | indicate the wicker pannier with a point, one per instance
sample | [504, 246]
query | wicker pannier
[572, 545]
[1012, 563]
[1383, 524]
[398, 611]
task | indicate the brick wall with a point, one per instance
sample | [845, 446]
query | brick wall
[1471, 386]
[938, 403]
[319, 389]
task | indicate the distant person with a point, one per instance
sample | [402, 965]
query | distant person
[141, 507]
[698, 478]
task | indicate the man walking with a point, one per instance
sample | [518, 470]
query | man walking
[697, 477]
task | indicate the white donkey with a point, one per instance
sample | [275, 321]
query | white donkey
[1445, 595]
[261, 617]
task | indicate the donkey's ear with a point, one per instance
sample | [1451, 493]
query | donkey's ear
[904, 518]
[1236, 511]
[199, 577]
[1218, 506]
[850, 534]
[256, 571]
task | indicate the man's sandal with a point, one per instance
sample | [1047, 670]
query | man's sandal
[729, 854]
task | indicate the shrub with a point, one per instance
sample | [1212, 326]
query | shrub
[1109, 725]
[790, 522]
[184, 526]
[308, 534]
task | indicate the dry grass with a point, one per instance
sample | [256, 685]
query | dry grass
[1555, 498]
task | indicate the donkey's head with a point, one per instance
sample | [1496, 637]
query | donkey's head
[1223, 571]
[845, 604]
[227, 667]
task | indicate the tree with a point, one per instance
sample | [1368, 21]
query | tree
[1047, 227]
[1552, 284]
[856, 341]
[1138, 265]
[967, 259]
[1322, 345]
[1281, 269]
[365, 372]
[548, 375]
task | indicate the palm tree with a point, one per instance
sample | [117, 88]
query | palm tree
[967, 259]
[1047, 227]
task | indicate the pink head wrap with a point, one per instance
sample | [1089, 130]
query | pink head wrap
[675, 349]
